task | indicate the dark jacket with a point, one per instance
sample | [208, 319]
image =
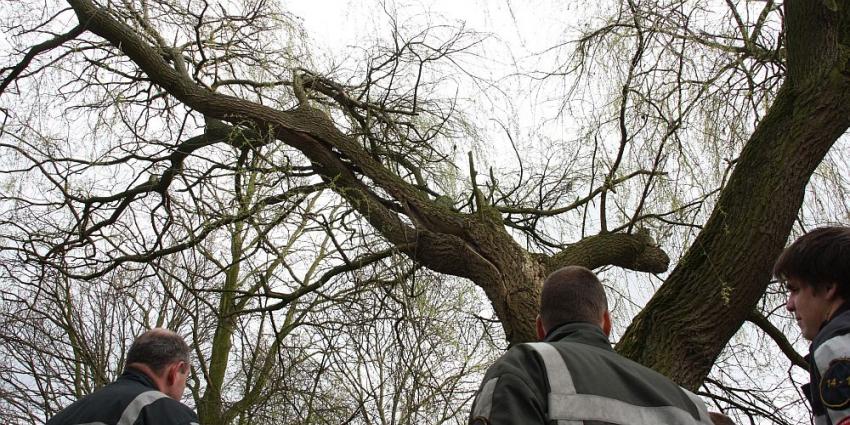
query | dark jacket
[597, 385]
[131, 400]
[828, 390]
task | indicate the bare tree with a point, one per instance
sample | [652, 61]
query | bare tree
[189, 99]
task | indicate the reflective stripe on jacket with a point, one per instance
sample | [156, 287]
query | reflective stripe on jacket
[830, 346]
[575, 378]
[131, 400]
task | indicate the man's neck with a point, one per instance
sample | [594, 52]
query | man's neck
[157, 380]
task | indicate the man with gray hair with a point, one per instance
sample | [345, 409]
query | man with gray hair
[573, 376]
[148, 392]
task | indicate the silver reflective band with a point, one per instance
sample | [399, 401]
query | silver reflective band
[131, 413]
[560, 380]
[568, 408]
[703, 411]
[835, 348]
[484, 402]
[596, 408]
[558, 375]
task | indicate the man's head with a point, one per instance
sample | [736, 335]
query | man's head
[572, 294]
[164, 357]
[816, 272]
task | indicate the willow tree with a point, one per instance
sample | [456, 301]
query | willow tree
[382, 146]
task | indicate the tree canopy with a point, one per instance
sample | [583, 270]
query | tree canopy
[327, 232]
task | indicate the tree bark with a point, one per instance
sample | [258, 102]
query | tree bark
[725, 272]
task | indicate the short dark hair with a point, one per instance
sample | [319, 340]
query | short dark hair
[572, 294]
[818, 259]
[158, 348]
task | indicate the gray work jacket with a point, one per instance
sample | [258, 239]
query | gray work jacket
[574, 377]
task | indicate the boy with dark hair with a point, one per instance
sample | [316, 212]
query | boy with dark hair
[816, 272]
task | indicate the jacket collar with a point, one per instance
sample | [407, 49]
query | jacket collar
[580, 332]
[830, 326]
[133, 374]
[841, 309]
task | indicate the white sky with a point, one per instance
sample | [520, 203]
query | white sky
[526, 25]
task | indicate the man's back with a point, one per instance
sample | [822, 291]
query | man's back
[600, 386]
[131, 399]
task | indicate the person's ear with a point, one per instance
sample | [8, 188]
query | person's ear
[171, 373]
[606, 323]
[541, 332]
[831, 291]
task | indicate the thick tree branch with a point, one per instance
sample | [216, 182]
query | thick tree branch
[635, 252]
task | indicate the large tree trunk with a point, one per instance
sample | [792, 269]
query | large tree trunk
[725, 272]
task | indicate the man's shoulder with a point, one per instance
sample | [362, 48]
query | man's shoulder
[166, 410]
[834, 337]
[527, 361]
[530, 351]
[112, 402]
[832, 342]
[528, 354]
[521, 362]
[517, 356]
[103, 405]
[839, 325]
[831, 369]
